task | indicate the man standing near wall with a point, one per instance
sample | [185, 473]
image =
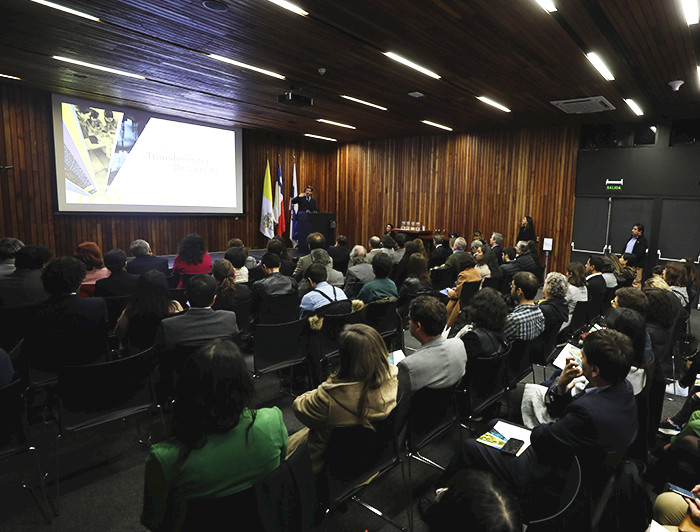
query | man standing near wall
[637, 245]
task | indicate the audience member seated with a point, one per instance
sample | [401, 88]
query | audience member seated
[421, 247]
[486, 263]
[362, 391]
[596, 283]
[676, 277]
[375, 246]
[608, 273]
[692, 277]
[90, 254]
[69, 329]
[439, 362]
[622, 276]
[23, 287]
[340, 254]
[274, 284]
[496, 241]
[459, 246]
[483, 333]
[321, 293]
[144, 260]
[660, 316]
[476, 500]
[381, 286]
[218, 444]
[315, 241]
[250, 261]
[527, 261]
[590, 425]
[359, 272]
[554, 309]
[416, 284]
[671, 509]
[120, 282]
[577, 292]
[237, 257]
[440, 253]
[509, 268]
[201, 323]
[526, 321]
[8, 248]
[627, 261]
[401, 271]
[467, 274]
[400, 240]
[192, 258]
[140, 320]
[229, 293]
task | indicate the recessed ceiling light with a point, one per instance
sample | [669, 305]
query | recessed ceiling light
[597, 62]
[547, 5]
[690, 11]
[357, 100]
[98, 67]
[244, 65]
[291, 7]
[67, 10]
[633, 105]
[334, 123]
[404, 61]
[320, 137]
[435, 124]
[9, 77]
[653, 128]
[489, 101]
[213, 5]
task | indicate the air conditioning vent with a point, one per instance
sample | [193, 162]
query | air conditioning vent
[594, 104]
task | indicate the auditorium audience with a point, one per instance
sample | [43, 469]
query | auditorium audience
[677, 278]
[555, 312]
[250, 261]
[421, 247]
[359, 272]
[375, 246]
[340, 254]
[8, 247]
[322, 293]
[509, 268]
[218, 444]
[136, 327]
[629, 271]
[400, 240]
[333, 276]
[526, 231]
[439, 362]
[417, 283]
[440, 253]
[192, 258]
[90, 254]
[314, 241]
[274, 284]
[120, 282]
[527, 261]
[401, 271]
[526, 321]
[381, 286]
[361, 391]
[238, 258]
[144, 260]
[496, 242]
[229, 293]
[200, 323]
[459, 246]
[467, 274]
[23, 287]
[596, 283]
[487, 263]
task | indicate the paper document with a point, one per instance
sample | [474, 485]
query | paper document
[502, 432]
[568, 351]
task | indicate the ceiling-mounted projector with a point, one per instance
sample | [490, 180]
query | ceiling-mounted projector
[291, 98]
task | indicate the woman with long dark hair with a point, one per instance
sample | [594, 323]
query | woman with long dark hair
[218, 446]
[527, 230]
[417, 283]
[149, 304]
[363, 390]
[192, 258]
[229, 293]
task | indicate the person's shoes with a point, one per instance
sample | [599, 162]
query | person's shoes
[669, 427]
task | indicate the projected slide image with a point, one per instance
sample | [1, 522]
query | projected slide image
[121, 160]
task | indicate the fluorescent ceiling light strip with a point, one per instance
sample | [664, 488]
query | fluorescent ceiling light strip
[319, 137]
[547, 5]
[334, 123]
[98, 67]
[243, 65]
[633, 105]
[489, 101]
[435, 124]
[291, 7]
[357, 100]
[691, 11]
[404, 61]
[698, 73]
[597, 62]
[67, 10]
[9, 77]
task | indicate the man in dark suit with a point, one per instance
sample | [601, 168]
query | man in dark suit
[66, 329]
[496, 242]
[509, 268]
[200, 324]
[144, 260]
[120, 282]
[637, 245]
[600, 420]
[23, 287]
[596, 282]
[306, 201]
[440, 253]
[340, 254]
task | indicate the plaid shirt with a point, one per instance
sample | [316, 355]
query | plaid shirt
[524, 323]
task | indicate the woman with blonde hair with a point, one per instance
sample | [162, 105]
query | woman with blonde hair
[362, 391]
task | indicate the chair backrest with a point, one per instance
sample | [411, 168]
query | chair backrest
[582, 314]
[431, 413]
[281, 345]
[484, 381]
[442, 278]
[519, 362]
[242, 310]
[13, 427]
[115, 307]
[468, 291]
[492, 282]
[179, 295]
[278, 309]
[335, 308]
[381, 315]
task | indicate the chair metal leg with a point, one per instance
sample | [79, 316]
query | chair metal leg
[379, 513]
[56, 505]
[423, 459]
[46, 507]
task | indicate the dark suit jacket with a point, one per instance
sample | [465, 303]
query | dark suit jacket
[195, 327]
[67, 330]
[639, 250]
[341, 258]
[139, 265]
[305, 204]
[440, 254]
[120, 283]
[21, 288]
[596, 292]
[498, 251]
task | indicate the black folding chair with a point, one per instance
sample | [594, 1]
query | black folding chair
[278, 309]
[468, 291]
[383, 316]
[323, 344]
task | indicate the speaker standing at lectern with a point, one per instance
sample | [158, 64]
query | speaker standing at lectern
[305, 201]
